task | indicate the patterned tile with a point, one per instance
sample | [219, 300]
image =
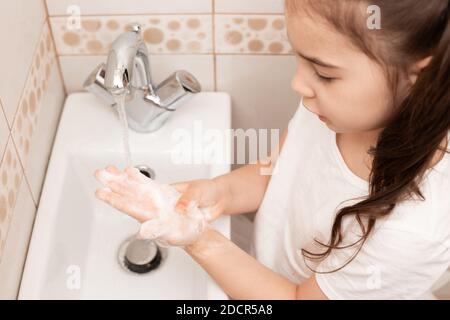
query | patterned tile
[4, 131]
[161, 33]
[11, 175]
[251, 34]
[31, 101]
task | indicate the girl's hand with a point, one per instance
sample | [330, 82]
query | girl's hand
[209, 194]
[128, 192]
[153, 204]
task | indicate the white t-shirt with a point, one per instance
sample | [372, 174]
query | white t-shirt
[405, 255]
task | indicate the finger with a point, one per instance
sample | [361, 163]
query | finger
[180, 186]
[120, 203]
[105, 176]
[184, 202]
[136, 175]
[120, 188]
[113, 169]
[104, 194]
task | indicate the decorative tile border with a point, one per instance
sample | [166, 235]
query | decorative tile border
[161, 33]
[11, 175]
[251, 34]
[25, 121]
[30, 104]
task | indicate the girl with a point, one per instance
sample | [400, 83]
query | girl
[358, 205]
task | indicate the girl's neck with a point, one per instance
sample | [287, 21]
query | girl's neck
[354, 148]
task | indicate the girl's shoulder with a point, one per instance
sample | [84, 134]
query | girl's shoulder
[428, 217]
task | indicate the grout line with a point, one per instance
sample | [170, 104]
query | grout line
[9, 132]
[30, 194]
[214, 43]
[132, 14]
[57, 55]
[185, 54]
[4, 114]
[13, 208]
[27, 250]
[250, 13]
[170, 14]
[2, 156]
[10, 215]
[28, 75]
[23, 171]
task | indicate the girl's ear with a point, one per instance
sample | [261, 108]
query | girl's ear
[417, 68]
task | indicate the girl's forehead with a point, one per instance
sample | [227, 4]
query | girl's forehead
[314, 37]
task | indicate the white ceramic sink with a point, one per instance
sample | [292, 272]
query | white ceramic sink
[74, 247]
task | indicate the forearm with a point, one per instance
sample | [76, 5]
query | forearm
[246, 187]
[237, 273]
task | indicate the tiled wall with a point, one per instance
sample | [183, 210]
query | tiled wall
[31, 98]
[237, 46]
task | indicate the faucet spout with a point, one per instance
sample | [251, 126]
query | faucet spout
[127, 66]
[127, 74]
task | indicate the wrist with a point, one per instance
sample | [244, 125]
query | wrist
[201, 242]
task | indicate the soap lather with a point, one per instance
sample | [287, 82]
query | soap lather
[154, 203]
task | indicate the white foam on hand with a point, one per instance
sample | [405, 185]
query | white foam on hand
[153, 204]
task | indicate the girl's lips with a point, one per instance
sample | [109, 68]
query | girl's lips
[323, 119]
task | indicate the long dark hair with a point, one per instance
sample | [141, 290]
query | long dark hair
[411, 30]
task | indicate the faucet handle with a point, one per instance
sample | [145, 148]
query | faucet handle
[95, 83]
[178, 85]
[136, 27]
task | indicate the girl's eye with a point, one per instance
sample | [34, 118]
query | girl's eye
[323, 78]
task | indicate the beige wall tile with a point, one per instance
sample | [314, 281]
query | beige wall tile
[261, 97]
[32, 128]
[260, 89]
[161, 33]
[4, 132]
[11, 175]
[249, 6]
[107, 7]
[41, 141]
[37, 117]
[254, 34]
[21, 22]
[16, 243]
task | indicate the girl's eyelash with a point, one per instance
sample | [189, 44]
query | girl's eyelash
[322, 78]
[318, 76]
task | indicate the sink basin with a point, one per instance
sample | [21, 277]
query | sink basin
[73, 252]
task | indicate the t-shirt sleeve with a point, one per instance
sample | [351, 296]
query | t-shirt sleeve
[392, 264]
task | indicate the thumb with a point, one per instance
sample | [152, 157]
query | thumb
[183, 202]
[186, 196]
[186, 200]
[180, 186]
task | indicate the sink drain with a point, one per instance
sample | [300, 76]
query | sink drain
[146, 171]
[140, 255]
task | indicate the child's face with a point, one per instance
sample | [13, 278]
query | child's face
[356, 98]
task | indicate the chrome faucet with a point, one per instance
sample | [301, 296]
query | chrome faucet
[127, 72]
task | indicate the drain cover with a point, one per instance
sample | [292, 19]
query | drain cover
[140, 256]
[146, 171]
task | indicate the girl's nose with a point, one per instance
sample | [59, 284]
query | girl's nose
[301, 87]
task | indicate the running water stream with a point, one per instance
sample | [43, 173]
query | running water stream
[120, 103]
